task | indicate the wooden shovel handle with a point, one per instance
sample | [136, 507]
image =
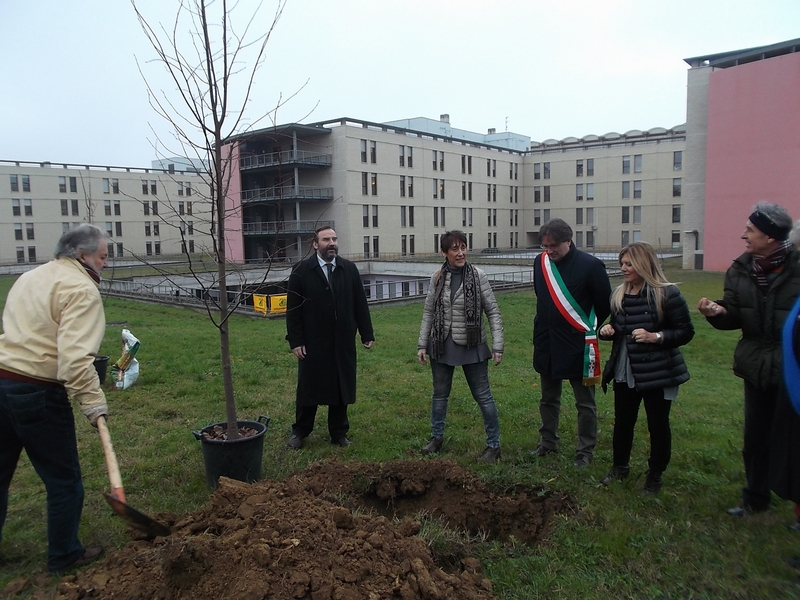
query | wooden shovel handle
[111, 460]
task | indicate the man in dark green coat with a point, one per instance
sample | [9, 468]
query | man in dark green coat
[326, 305]
[761, 287]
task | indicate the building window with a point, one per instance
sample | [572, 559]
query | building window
[374, 215]
[411, 217]
[547, 193]
[75, 212]
[469, 165]
[364, 184]
[20, 254]
[181, 208]
[404, 250]
[376, 250]
[463, 217]
[64, 207]
[402, 186]
[153, 188]
[435, 188]
[110, 250]
[626, 190]
[410, 187]
[589, 170]
[106, 186]
[73, 185]
[547, 170]
[441, 189]
[626, 214]
[365, 215]
[579, 239]
[435, 161]
[117, 208]
[637, 163]
[537, 170]
[676, 187]
[155, 228]
[677, 160]
[148, 248]
[469, 191]
[411, 245]
[26, 187]
[626, 164]
[157, 247]
[17, 231]
[403, 218]
[463, 163]
[64, 228]
[15, 208]
[118, 228]
[537, 216]
[488, 192]
[464, 190]
[589, 192]
[488, 167]
[590, 216]
[62, 185]
[578, 216]
[579, 167]
[546, 215]
[435, 216]
[155, 207]
[373, 152]
[637, 215]
[27, 205]
[579, 192]
[676, 238]
[625, 238]
[537, 193]
[441, 210]
[29, 231]
[191, 246]
[363, 151]
[15, 188]
[180, 188]
[494, 168]
[145, 189]
[109, 229]
[676, 213]
[494, 192]
[637, 235]
[115, 190]
[374, 184]
[190, 226]
[107, 207]
[590, 239]
[637, 188]
[31, 249]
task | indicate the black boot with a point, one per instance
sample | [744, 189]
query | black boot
[653, 483]
[617, 473]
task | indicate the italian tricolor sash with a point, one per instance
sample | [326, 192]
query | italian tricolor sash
[576, 317]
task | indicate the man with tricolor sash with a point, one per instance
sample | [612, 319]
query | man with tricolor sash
[572, 302]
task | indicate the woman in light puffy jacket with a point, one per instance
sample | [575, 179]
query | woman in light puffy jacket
[453, 334]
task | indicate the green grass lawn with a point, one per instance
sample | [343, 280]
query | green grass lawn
[619, 544]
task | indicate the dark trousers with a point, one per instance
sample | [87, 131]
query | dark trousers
[759, 412]
[550, 411]
[338, 425]
[626, 412]
[39, 419]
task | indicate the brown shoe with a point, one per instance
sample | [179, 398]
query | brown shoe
[433, 445]
[89, 555]
[490, 455]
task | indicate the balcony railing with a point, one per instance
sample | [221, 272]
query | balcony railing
[288, 227]
[287, 192]
[287, 158]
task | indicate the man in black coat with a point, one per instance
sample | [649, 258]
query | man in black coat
[325, 306]
[560, 349]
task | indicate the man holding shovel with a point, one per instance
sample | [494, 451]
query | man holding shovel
[53, 324]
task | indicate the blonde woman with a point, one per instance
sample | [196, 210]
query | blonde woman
[649, 321]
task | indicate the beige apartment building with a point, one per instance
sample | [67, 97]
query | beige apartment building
[147, 213]
[392, 189]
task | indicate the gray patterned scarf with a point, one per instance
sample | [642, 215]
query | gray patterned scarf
[472, 308]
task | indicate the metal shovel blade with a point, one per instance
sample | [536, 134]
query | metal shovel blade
[136, 519]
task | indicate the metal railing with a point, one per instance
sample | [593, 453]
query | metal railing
[287, 192]
[285, 157]
[273, 227]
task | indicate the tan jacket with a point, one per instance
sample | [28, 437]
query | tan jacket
[455, 320]
[53, 324]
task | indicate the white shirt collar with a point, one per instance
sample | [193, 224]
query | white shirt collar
[322, 263]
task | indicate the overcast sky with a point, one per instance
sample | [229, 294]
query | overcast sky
[72, 92]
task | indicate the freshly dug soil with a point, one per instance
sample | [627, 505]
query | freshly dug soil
[332, 532]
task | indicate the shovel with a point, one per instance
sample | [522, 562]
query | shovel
[116, 499]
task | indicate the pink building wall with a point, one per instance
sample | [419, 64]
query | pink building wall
[753, 150]
[233, 206]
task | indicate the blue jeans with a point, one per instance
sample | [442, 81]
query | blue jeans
[39, 419]
[477, 375]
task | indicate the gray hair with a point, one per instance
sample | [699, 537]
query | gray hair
[558, 230]
[85, 239]
[794, 235]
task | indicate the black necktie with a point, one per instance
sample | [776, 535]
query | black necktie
[329, 266]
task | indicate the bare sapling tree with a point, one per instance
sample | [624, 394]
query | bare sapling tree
[211, 61]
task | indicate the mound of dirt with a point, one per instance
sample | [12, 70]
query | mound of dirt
[332, 532]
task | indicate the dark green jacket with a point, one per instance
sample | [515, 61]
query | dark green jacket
[760, 316]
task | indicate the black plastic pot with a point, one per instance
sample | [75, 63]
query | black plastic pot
[237, 459]
[101, 366]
